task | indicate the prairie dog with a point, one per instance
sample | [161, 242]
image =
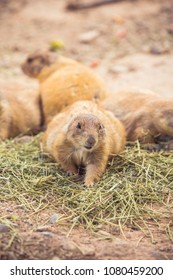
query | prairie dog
[19, 110]
[84, 136]
[63, 81]
[146, 115]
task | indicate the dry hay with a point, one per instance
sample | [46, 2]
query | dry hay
[137, 187]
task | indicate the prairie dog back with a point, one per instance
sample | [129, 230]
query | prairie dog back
[146, 115]
[63, 81]
[20, 110]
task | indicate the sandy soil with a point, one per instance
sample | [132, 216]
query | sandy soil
[128, 44]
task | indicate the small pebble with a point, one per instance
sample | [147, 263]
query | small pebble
[158, 50]
[47, 233]
[89, 36]
[103, 232]
[4, 228]
[119, 69]
[121, 33]
[56, 258]
[88, 251]
[42, 228]
[95, 63]
[54, 218]
[155, 50]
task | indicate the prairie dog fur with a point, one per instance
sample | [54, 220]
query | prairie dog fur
[145, 114]
[62, 82]
[84, 135]
[19, 110]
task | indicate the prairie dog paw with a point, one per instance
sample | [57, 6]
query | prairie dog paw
[89, 183]
[70, 173]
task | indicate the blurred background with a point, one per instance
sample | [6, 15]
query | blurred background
[129, 43]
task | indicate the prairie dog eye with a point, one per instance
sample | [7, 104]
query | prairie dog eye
[29, 60]
[78, 125]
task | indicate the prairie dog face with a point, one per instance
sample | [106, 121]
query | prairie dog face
[36, 62]
[86, 132]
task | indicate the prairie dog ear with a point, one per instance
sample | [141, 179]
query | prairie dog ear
[50, 57]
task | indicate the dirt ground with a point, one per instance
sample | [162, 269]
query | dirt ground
[129, 44]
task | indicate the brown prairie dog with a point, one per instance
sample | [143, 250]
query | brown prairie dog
[19, 110]
[145, 114]
[62, 82]
[84, 136]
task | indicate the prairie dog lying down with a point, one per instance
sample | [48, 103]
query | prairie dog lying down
[20, 111]
[146, 115]
[62, 81]
[84, 135]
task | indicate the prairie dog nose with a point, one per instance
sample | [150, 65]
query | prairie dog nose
[90, 141]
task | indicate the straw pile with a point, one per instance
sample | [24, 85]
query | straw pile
[136, 187]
